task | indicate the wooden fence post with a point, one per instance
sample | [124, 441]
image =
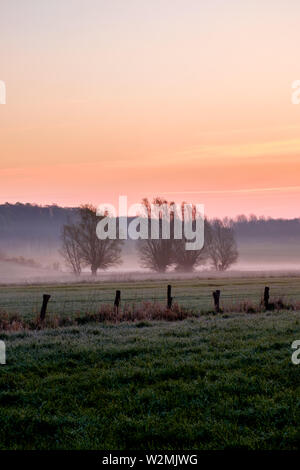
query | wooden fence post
[170, 298]
[216, 296]
[266, 297]
[117, 300]
[46, 298]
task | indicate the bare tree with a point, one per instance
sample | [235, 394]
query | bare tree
[85, 248]
[156, 254]
[222, 248]
[70, 249]
[188, 260]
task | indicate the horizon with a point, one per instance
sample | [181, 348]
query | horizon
[234, 218]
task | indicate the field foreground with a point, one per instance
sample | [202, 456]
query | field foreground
[72, 300]
[213, 382]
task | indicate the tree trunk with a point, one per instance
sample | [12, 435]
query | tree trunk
[94, 270]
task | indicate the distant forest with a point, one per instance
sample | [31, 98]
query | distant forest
[27, 221]
[34, 231]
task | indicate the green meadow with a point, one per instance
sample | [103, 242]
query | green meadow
[208, 382]
[79, 298]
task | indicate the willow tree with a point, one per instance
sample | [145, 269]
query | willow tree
[187, 260]
[82, 247]
[70, 249]
[157, 253]
[222, 248]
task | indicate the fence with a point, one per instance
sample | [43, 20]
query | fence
[216, 295]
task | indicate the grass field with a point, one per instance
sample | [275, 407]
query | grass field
[74, 299]
[210, 382]
[205, 383]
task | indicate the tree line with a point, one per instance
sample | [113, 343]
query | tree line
[81, 248]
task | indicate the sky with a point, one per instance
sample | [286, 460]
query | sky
[186, 99]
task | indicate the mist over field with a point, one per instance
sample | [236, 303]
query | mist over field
[30, 243]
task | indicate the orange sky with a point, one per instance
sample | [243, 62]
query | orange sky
[186, 99]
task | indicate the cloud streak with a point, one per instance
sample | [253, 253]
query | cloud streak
[234, 191]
